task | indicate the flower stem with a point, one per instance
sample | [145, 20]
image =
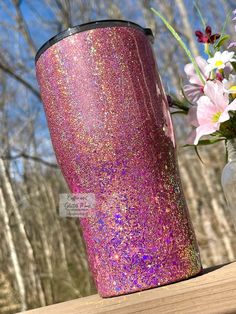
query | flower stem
[182, 44]
[207, 50]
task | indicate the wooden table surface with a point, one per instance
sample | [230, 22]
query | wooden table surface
[212, 292]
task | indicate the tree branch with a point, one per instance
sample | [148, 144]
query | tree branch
[35, 158]
[23, 27]
[20, 79]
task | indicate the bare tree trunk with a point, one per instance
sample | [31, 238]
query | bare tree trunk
[49, 289]
[47, 191]
[23, 27]
[222, 224]
[13, 254]
[48, 262]
[36, 284]
[192, 176]
[192, 202]
[8, 302]
[187, 27]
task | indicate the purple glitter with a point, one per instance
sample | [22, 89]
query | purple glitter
[112, 134]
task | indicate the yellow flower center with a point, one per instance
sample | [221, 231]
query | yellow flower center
[216, 117]
[233, 88]
[219, 63]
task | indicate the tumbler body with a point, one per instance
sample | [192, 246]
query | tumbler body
[112, 134]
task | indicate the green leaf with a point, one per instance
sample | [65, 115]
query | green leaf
[207, 142]
[226, 152]
[207, 50]
[183, 105]
[197, 152]
[227, 19]
[221, 41]
[182, 44]
[196, 6]
[210, 141]
[234, 65]
[223, 29]
[179, 112]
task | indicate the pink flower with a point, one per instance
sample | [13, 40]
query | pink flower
[194, 90]
[211, 110]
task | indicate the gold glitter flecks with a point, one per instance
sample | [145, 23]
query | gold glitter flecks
[72, 40]
[116, 256]
[106, 120]
[93, 50]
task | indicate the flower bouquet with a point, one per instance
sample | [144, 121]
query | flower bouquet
[209, 98]
[210, 95]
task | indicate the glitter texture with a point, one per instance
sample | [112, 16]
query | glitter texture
[112, 134]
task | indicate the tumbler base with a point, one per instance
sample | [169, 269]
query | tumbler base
[164, 283]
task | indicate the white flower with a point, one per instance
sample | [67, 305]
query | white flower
[230, 84]
[219, 60]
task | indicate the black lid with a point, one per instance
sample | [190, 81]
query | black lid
[87, 26]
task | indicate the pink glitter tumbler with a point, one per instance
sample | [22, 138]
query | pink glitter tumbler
[113, 138]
